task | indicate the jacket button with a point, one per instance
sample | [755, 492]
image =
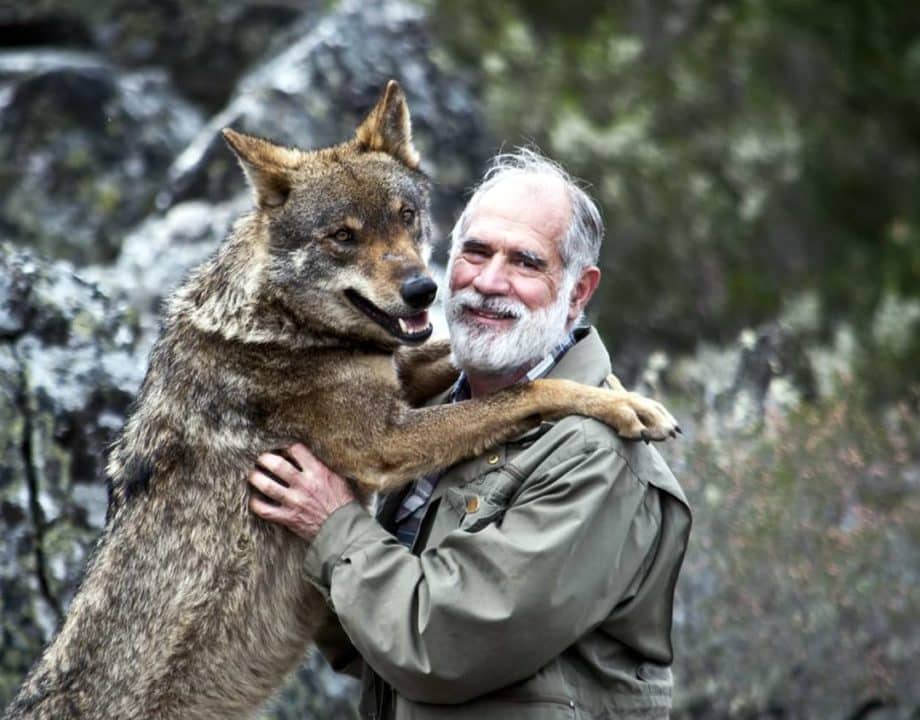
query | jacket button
[493, 459]
[472, 504]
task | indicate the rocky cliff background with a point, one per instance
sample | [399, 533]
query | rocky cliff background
[757, 165]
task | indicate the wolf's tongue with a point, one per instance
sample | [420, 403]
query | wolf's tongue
[414, 323]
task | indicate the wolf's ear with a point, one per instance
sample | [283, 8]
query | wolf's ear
[387, 127]
[267, 166]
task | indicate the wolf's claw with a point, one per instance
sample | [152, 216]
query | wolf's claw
[648, 420]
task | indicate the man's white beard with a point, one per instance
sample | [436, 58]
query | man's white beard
[487, 350]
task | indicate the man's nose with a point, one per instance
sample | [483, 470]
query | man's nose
[419, 291]
[491, 278]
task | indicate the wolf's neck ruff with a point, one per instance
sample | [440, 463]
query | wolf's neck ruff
[225, 296]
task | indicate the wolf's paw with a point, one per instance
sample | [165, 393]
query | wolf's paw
[636, 417]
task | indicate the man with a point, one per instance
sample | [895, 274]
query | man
[536, 580]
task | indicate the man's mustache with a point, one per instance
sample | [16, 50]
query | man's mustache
[470, 299]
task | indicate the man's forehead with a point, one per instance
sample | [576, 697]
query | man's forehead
[533, 204]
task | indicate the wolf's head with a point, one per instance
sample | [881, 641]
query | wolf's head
[340, 236]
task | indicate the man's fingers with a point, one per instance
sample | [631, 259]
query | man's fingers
[306, 459]
[264, 509]
[279, 466]
[266, 485]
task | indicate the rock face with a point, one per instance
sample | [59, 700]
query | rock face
[85, 148]
[68, 369]
[203, 47]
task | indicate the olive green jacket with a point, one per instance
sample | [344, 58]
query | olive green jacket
[541, 584]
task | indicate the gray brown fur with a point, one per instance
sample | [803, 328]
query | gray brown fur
[192, 607]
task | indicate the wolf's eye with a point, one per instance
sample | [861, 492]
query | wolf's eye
[343, 235]
[408, 216]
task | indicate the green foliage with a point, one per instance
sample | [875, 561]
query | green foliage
[742, 152]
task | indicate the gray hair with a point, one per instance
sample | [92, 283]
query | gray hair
[581, 243]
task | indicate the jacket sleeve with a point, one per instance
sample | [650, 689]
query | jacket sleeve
[333, 643]
[485, 609]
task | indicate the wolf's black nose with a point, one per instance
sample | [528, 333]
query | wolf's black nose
[419, 291]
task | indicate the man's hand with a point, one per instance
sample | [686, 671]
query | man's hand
[304, 497]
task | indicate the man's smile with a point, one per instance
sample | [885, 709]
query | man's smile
[490, 317]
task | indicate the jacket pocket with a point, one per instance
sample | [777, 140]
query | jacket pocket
[484, 500]
[536, 708]
[494, 707]
[656, 680]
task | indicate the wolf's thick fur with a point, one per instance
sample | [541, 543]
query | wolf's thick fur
[192, 607]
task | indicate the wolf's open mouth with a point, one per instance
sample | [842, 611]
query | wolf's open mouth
[410, 328]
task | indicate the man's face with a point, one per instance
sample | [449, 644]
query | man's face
[508, 299]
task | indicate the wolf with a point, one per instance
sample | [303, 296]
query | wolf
[308, 324]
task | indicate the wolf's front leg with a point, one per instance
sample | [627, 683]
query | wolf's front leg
[421, 441]
[425, 371]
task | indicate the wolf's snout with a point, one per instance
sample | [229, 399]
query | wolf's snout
[419, 291]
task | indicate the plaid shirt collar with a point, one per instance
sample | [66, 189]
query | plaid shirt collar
[461, 389]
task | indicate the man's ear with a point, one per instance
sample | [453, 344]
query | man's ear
[582, 292]
[267, 166]
[388, 128]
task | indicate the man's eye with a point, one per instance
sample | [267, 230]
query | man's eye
[343, 235]
[408, 216]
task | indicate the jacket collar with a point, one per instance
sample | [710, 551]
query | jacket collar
[586, 362]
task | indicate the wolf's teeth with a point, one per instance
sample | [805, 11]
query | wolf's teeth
[403, 326]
